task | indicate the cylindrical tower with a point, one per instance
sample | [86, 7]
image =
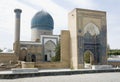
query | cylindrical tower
[42, 24]
[17, 24]
[16, 46]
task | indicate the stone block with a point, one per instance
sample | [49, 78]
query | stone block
[24, 70]
[101, 66]
[28, 64]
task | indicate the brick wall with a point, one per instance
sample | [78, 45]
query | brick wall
[7, 57]
[65, 54]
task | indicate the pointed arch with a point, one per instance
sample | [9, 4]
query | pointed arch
[49, 49]
[50, 42]
[91, 28]
[33, 58]
[23, 53]
[90, 56]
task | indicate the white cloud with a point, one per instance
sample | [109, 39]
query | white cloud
[7, 22]
[58, 12]
[83, 3]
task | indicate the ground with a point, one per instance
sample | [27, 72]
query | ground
[95, 77]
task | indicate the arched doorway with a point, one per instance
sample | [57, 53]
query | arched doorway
[49, 50]
[23, 54]
[88, 59]
[45, 57]
[33, 58]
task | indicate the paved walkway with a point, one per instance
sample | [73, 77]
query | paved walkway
[96, 77]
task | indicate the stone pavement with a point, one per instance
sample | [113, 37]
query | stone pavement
[54, 72]
[95, 77]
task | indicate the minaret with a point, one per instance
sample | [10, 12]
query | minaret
[17, 24]
[17, 31]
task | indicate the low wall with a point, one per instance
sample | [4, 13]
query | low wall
[114, 63]
[51, 65]
[28, 64]
[101, 66]
[8, 57]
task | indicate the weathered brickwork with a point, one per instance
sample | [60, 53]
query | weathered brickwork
[87, 32]
[8, 57]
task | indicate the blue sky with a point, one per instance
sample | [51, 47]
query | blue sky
[59, 10]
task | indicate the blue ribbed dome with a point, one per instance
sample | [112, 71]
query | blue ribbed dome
[42, 20]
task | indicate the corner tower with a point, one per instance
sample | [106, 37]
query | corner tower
[42, 24]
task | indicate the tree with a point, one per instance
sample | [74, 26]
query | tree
[57, 53]
[114, 52]
[87, 57]
[1, 50]
[108, 48]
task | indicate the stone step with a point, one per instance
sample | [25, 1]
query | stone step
[25, 70]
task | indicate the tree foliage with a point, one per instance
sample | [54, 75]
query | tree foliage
[114, 52]
[57, 52]
[87, 57]
[1, 50]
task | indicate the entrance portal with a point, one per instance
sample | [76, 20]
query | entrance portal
[88, 59]
[88, 31]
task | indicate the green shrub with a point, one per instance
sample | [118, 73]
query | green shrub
[87, 57]
[57, 54]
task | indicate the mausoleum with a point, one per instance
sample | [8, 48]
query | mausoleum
[87, 33]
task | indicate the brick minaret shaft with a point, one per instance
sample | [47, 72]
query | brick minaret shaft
[17, 31]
